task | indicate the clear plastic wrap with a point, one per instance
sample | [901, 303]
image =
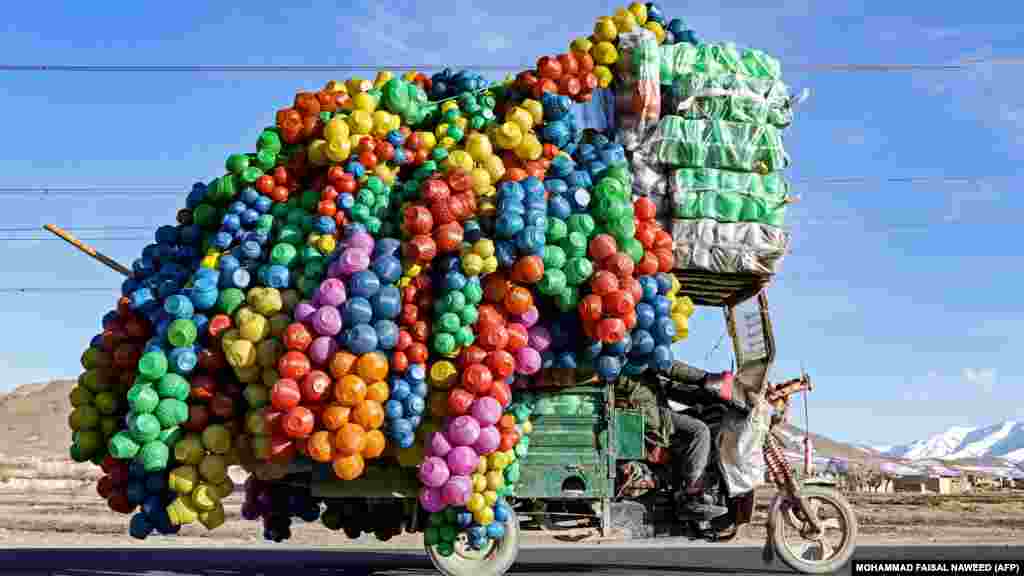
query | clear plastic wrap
[638, 91]
[651, 180]
[732, 248]
[708, 193]
[715, 60]
[739, 443]
[731, 97]
[683, 143]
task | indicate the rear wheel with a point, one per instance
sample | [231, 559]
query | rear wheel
[494, 560]
[803, 550]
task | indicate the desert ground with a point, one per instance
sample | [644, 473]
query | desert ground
[54, 503]
[46, 500]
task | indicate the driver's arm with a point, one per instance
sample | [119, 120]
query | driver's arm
[684, 373]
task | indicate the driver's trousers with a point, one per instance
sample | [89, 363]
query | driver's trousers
[691, 446]
[691, 438]
[687, 438]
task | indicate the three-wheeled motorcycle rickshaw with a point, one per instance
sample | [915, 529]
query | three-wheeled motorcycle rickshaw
[589, 465]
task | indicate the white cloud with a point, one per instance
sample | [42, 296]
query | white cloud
[986, 92]
[494, 42]
[852, 137]
[405, 37]
[918, 396]
[387, 29]
[918, 389]
[975, 198]
[984, 378]
[941, 33]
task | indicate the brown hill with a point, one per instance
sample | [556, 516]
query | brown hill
[828, 448]
[34, 420]
[33, 424]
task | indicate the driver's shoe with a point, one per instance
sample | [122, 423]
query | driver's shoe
[698, 506]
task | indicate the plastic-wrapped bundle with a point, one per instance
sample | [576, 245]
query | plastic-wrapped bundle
[651, 180]
[726, 196]
[738, 146]
[725, 109]
[729, 247]
[731, 97]
[715, 60]
[638, 91]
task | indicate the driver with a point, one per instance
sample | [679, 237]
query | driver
[687, 438]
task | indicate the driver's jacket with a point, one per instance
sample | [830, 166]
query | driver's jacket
[644, 393]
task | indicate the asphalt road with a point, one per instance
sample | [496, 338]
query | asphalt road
[609, 559]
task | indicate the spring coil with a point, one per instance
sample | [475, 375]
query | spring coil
[778, 466]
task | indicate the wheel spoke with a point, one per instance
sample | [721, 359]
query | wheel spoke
[827, 551]
[809, 547]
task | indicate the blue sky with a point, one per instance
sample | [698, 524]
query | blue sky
[901, 299]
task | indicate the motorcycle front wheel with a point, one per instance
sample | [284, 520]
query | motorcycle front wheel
[802, 550]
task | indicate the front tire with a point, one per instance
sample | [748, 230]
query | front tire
[821, 557]
[495, 561]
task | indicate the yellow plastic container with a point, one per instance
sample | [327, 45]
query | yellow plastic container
[605, 29]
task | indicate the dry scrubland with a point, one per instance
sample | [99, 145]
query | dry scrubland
[47, 500]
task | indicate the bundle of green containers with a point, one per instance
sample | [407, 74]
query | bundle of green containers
[724, 148]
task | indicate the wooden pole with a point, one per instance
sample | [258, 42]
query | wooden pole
[88, 250]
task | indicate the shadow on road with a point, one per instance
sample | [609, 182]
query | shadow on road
[606, 560]
[625, 569]
[341, 562]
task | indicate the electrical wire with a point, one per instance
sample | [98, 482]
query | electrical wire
[791, 226]
[84, 239]
[94, 190]
[964, 64]
[59, 289]
[19, 290]
[100, 190]
[707, 357]
[75, 228]
[250, 67]
[261, 68]
[899, 179]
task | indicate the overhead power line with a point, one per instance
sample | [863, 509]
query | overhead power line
[56, 289]
[792, 226]
[901, 179]
[83, 238]
[102, 228]
[20, 233]
[115, 288]
[93, 190]
[265, 68]
[250, 68]
[964, 64]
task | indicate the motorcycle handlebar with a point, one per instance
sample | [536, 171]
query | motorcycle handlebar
[694, 394]
[783, 390]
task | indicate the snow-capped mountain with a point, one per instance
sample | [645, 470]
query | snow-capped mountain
[1004, 440]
